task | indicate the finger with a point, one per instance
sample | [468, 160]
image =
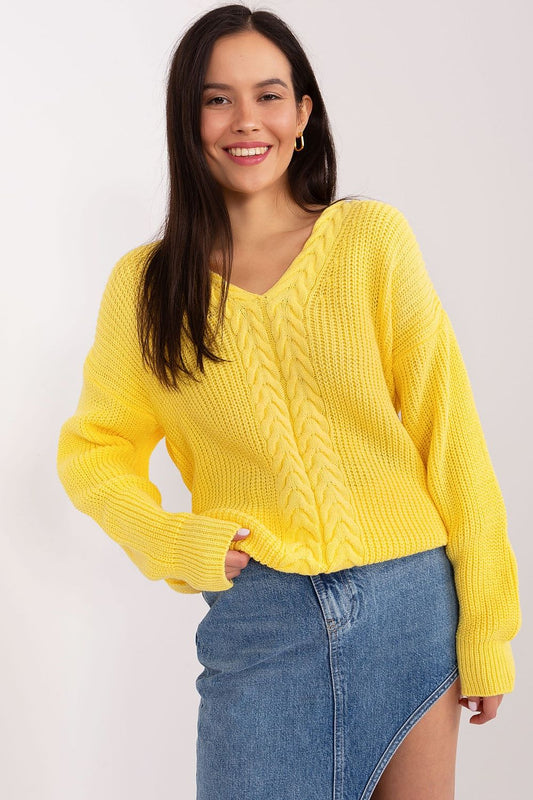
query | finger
[232, 570]
[489, 709]
[470, 703]
[237, 559]
[473, 703]
[242, 533]
[464, 702]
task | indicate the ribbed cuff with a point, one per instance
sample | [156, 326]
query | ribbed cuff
[201, 548]
[485, 668]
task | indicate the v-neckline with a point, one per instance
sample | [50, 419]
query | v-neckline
[290, 273]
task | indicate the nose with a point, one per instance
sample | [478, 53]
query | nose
[245, 117]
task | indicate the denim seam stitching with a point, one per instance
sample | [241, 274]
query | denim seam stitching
[334, 669]
[340, 715]
[403, 731]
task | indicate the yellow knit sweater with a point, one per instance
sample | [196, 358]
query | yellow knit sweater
[341, 432]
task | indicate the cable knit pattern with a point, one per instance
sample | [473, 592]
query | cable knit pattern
[342, 431]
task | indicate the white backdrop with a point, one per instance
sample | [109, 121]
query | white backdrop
[430, 106]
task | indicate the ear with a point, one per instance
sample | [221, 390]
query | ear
[304, 112]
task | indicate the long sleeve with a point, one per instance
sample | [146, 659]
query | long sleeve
[439, 412]
[104, 451]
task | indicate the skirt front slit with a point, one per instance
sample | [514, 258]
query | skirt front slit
[310, 683]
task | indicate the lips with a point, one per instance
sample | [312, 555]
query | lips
[246, 161]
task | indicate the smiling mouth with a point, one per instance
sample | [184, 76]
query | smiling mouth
[262, 150]
[254, 157]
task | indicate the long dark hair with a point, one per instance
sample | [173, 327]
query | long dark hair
[175, 286]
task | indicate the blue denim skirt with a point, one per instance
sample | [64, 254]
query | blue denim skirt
[310, 682]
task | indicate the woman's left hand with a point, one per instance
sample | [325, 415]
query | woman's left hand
[487, 706]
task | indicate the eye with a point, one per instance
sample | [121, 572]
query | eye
[209, 102]
[219, 97]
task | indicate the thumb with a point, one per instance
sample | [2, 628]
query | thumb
[473, 703]
[242, 533]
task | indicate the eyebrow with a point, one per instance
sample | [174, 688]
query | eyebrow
[268, 82]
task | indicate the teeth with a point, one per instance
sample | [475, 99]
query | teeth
[247, 151]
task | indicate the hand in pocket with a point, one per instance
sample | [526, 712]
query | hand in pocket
[236, 559]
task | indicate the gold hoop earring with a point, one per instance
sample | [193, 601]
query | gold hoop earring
[301, 137]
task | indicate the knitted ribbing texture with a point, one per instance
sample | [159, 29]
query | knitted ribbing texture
[342, 431]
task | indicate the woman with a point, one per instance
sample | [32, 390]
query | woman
[356, 566]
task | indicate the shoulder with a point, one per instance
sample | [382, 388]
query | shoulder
[131, 262]
[380, 227]
[376, 215]
[124, 276]
[119, 299]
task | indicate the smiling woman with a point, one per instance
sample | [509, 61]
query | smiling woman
[259, 199]
[356, 567]
[268, 227]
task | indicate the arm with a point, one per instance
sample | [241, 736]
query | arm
[105, 447]
[438, 410]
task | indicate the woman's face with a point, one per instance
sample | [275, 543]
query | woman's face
[242, 113]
